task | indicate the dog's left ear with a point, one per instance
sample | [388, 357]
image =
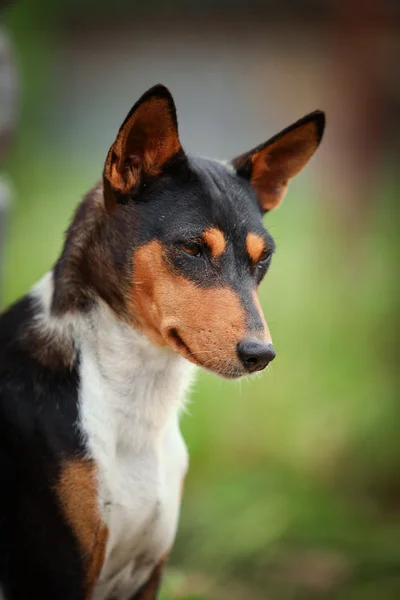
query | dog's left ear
[147, 139]
[270, 165]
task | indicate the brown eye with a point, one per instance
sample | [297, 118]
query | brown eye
[191, 248]
[264, 256]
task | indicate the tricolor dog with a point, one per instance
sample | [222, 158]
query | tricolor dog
[159, 273]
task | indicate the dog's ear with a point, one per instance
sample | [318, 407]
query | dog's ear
[147, 139]
[270, 165]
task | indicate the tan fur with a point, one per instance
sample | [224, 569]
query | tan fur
[280, 161]
[211, 322]
[255, 246]
[77, 492]
[215, 240]
[267, 335]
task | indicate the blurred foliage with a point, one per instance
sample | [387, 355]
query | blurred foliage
[293, 490]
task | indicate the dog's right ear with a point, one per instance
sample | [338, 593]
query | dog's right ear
[147, 139]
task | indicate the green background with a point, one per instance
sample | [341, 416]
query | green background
[293, 490]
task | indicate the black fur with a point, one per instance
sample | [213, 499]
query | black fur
[39, 556]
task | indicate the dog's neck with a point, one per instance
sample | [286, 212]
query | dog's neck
[90, 263]
[142, 381]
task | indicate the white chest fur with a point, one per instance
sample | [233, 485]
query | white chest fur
[130, 397]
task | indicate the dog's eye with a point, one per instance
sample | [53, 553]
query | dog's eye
[191, 248]
[264, 257]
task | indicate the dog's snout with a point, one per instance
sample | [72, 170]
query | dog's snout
[255, 355]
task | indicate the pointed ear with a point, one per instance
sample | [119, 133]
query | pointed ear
[147, 139]
[270, 166]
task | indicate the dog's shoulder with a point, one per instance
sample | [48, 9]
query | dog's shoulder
[17, 363]
[12, 324]
[38, 397]
[41, 459]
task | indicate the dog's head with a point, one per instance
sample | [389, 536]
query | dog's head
[190, 234]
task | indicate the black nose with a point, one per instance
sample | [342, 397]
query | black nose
[255, 355]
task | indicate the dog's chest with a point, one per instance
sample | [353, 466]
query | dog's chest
[140, 501]
[130, 418]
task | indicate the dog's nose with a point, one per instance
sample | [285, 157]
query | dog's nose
[255, 355]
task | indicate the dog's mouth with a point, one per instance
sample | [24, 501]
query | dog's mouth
[181, 346]
[176, 340]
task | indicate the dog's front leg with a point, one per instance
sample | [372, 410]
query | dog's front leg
[150, 589]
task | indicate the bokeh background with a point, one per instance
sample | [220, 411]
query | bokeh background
[294, 486]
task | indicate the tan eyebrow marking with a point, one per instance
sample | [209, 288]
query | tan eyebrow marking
[215, 240]
[255, 246]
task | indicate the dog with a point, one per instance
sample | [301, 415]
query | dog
[159, 272]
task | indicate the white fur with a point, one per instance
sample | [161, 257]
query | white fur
[227, 164]
[130, 398]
